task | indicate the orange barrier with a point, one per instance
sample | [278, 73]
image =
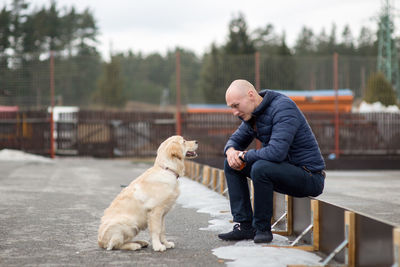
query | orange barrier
[209, 110]
[317, 100]
[323, 103]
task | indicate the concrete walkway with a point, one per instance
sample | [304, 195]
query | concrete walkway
[50, 212]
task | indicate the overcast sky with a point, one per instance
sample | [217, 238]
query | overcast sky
[161, 25]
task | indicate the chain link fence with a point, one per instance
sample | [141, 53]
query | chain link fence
[144, 113]
[86, 81]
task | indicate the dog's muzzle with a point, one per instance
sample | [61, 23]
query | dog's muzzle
[191, 154]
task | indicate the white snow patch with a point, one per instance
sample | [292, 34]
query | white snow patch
[197, 196]
[243, 253]
[376, 107]
[249, 254]
[16, 155]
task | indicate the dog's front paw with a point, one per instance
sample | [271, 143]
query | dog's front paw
[159, 247]
[169, 244]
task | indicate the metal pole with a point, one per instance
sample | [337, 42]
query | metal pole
[52, 152]
[257, 78]
[336, 87]
[257, 70]
[178, 94]
[388, 43]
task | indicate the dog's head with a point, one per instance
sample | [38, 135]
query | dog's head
[176, 147]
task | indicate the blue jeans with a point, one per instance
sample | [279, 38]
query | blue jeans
[267, 177]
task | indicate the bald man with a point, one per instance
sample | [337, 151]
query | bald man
[289, 161]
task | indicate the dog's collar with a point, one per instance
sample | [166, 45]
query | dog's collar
[171, 170]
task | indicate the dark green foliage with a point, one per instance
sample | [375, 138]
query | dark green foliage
[305, 44]
[379, 89]
[146, 78]
[5, 29]
[110, 86]
[212, 85]
[239, 41]
[83, 78]
[26, 39]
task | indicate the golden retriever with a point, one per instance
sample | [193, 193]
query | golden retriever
[146, 200]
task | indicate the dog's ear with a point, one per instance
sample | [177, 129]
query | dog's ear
[175, 150]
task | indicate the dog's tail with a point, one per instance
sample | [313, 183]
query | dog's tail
[116, 241]
[109, 237]
[113, 236]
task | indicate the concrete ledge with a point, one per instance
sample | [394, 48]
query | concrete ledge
[348, 237]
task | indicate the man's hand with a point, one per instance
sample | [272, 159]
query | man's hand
[232, 155]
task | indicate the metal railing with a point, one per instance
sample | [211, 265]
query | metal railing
[138, 134]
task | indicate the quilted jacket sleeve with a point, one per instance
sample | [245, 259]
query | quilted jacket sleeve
[285, 122]
[241, 138]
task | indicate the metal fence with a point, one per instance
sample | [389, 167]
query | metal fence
[360, 134]
[28, 131]
[113, 133]
[76, 80]
[138, 134]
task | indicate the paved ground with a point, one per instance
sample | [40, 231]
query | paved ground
[372, 193]
[49, 213]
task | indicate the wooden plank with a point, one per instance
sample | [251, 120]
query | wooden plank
[191, 166]
[396, 246]
[214, 173]
[289, 203]
[350, 232]
[206, 175]
[305, 248]
[316, 229]
[197, 172]
[188, 169]
[221, 182]
[250, 183]
[199, 178]
[282, 233]
[274, 215]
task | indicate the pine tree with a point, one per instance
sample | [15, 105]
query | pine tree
[5, 30]
[110, 85]
[380, 89]
[305, 44]
[239, 42]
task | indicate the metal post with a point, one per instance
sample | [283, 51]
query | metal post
[336, 88]
[257, 81]
[52, 152]
[257, 70]
[178, 95]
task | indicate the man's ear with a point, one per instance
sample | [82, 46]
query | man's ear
[175, 151]
[250, 94]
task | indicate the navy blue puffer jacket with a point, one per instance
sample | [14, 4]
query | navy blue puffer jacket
[283, 131]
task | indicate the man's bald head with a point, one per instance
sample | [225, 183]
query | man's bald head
[239, 88]
[243, 98]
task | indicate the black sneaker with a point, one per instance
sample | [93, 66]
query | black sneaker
[238, 234]
[263, 236]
